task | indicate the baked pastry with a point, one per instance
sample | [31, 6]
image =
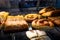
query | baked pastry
[47, 14]
[55, 13]
[31, 17]
[36, 35]
[3, 17]
[55, 20]
[42, 24]
[47, 9]
[15, 23]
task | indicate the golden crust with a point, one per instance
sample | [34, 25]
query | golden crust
[15, 23]
[47, 14]
[31, 17]
[42, 11]
[20, 16]
[46, 9]
[42, 23]
[56, 20]
[54, 13]
[3, 17]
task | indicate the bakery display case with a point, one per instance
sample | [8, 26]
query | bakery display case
[29, 20]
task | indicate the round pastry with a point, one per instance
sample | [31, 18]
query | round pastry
[31, 17]
[3, 17]
[42, 24]
[55, 20]
[47, 9]
[36, 35]
[14, 23]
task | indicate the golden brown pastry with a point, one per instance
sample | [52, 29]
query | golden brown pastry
[3, 17]
[55, 20]
[15, 23]
[47, 14]
[20, 16]
[47, 9]
[55, 13]
[42, 24]
[31, 17]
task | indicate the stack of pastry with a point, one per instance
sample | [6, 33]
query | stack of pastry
[31, 17]
[15, 23]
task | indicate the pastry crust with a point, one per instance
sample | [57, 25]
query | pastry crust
[3, 17]
[47, 14]
[20, 16]
[55, 13]
[47, 9]
[42, 24]
[55, 20]
[31, 17]
[15, 23]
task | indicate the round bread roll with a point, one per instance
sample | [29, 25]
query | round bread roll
[36, 35]
[31, 17]
[42, 24]
[15, 23]
[47, 9]
[3, 17]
